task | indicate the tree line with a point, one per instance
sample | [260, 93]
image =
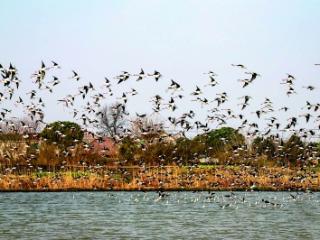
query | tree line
[147, 143]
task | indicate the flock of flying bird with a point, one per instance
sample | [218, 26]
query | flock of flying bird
[89, 114]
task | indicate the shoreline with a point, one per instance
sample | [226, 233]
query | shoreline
[154, 190]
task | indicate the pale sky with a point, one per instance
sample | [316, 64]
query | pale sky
[181, 39]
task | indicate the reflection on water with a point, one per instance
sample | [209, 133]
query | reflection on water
[181, 215]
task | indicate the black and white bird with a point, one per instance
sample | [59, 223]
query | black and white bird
[141, 75]
[157, 75]
[75, 75]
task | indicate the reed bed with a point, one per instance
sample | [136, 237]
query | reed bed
[165, 178]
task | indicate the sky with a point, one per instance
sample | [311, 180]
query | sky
[182, 39]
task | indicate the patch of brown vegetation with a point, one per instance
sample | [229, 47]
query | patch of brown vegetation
[166, 178]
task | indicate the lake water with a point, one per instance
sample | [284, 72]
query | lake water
[181, 215]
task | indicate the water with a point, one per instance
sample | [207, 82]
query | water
[181, 215]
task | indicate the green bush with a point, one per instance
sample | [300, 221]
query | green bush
[226, 136]
[293, 149]
[128, 149]
[62, 134]
[264, 146]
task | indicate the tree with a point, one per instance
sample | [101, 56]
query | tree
[62, 134]
[223, 137]
[264, 146]
[128, 149]
[188, 150]
[111, 120]
[293, 149]
[147, 128]
[21, 126]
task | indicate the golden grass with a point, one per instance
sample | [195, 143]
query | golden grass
[169, 178]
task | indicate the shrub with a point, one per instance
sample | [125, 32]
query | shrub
[225, 136]
[264, 146]
[293, 149]
[128, 149]
[63, 134]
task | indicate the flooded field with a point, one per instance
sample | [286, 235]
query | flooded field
[179, 215]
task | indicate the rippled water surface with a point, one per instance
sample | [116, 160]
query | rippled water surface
[181, 215]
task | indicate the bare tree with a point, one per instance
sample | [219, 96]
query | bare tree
[112, 120]
[147, 128]
[21, 126]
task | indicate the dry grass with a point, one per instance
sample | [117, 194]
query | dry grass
[169, 178]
